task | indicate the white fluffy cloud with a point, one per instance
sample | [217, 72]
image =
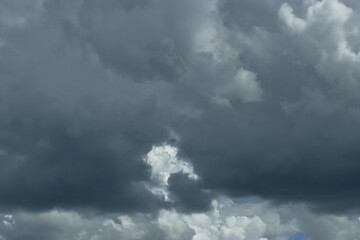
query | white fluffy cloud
[164, 162]
[212, 225]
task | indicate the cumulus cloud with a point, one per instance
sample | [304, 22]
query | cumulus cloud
[244, 86]
[227, 219]
[138, 111]
[164, 162]
[327, 29]
[295, 24]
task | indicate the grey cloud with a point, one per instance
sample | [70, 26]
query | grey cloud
[150, 40]
[226, 220]
[188, 195]
[89, 87]
[67, 139]
[299, 143]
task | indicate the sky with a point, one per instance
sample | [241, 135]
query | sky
[179, 120]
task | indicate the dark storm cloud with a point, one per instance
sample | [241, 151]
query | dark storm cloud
[300, 142]
[75, 126]
[67, 140]
[262, 98]
[187, 194]
[144, 40]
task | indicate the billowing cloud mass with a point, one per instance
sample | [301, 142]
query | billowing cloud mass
[192, 119]
[226, 220]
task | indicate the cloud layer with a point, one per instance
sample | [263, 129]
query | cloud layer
[226, 220]
[158, 107]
